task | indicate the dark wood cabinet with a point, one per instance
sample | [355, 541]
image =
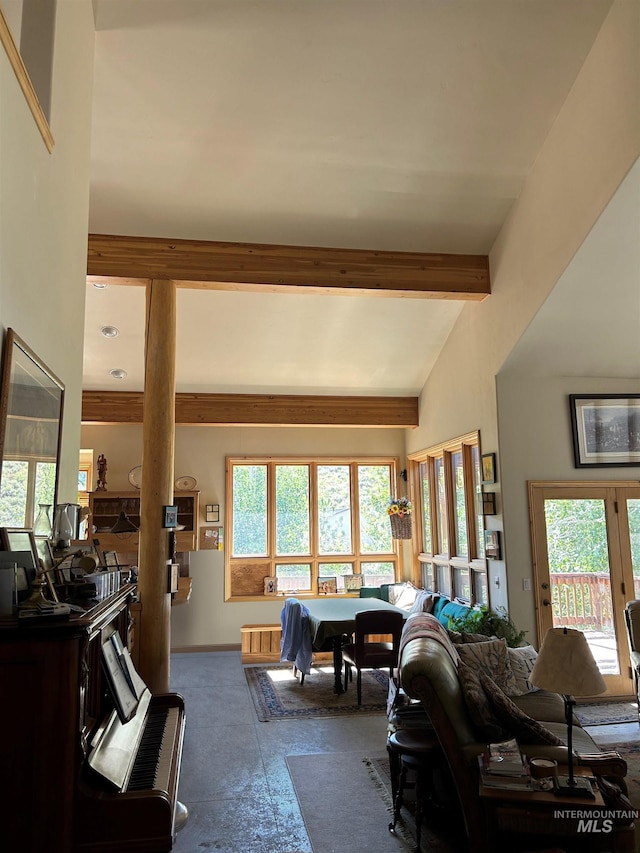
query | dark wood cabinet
[52, 699]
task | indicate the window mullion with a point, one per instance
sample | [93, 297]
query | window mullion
[354, 493]
[271, 516]
[314, 525]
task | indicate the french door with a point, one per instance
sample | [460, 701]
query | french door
[586, 559]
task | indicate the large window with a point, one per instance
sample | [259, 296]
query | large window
[298, 520]
[449, 525]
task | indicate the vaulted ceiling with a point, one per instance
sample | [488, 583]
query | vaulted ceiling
[363, 124]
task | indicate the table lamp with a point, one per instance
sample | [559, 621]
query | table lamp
[565, 664]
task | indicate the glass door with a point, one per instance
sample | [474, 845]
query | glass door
[586, 542]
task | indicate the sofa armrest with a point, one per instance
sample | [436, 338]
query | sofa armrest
[605, 763]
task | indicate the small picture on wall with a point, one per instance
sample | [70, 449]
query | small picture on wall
[212, 513]
[170, 516]
[492, 544]
[489, 474]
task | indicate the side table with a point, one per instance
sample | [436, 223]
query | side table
[569, 822]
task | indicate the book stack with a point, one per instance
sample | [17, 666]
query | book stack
[503, 766]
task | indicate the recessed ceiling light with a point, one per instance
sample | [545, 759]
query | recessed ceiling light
[99, 285]
[109, 332]
[118, 373]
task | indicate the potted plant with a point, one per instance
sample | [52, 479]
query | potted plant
[498, 623]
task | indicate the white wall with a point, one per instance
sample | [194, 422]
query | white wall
[200, 452]
[44, 201]
[592, 145]
[536, 444]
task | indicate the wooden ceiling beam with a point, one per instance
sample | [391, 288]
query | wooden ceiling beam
[260, 267]
[125, 407]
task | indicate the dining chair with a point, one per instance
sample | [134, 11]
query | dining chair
[365, 653]
[295, 645]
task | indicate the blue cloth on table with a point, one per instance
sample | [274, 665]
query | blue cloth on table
[295, 645]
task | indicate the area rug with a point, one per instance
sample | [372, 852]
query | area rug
[278, 695]
[339, 804]
[359, 821]
[605, 713]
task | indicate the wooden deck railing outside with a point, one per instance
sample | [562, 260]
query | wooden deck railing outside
[582, 600]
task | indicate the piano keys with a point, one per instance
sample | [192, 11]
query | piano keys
[127, 796]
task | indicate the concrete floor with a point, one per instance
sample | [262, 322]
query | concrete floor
[234, 779]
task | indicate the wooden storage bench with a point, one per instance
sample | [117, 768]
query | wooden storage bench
[260, 643]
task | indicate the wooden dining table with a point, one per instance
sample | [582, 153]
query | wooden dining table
[331, 618]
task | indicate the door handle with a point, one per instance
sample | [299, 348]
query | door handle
[546, 602]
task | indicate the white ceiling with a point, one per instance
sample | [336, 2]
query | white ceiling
[404, 125]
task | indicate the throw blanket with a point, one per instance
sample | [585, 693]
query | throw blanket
[295, 645]
[424, 625]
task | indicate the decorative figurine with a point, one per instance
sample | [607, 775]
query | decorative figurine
[102, 474]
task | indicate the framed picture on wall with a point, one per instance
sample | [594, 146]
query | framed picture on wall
[489, 468]
[212, 513]
[492, 544]
[606, 430]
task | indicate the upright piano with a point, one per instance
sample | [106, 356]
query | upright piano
[80, 774]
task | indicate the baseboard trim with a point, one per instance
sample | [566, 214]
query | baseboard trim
[227, 647]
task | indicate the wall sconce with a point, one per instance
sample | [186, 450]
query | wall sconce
[488, 503]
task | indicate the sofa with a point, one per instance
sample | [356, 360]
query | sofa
[443, 677]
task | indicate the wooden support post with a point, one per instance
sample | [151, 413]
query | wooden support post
[158, 435]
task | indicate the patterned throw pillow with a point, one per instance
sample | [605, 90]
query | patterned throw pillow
[522, 660]
[492, 658]
[475, 638]
[524, 728]
[488, 727]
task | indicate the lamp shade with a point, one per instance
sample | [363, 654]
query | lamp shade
[565, 664]
[124, 525]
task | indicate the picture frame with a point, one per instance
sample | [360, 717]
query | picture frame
[489, 470]
[19, 539]
[170, 516]
[492, 545]
[23, 575]
[31, 410]
[605, 430]
[488, 503]
[44, 552]
[111, 560]
[26, 570]
[327, 585]
[270, 586]
[212, 513]
[353, 583]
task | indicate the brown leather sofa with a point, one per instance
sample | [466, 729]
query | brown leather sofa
[427, 672]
